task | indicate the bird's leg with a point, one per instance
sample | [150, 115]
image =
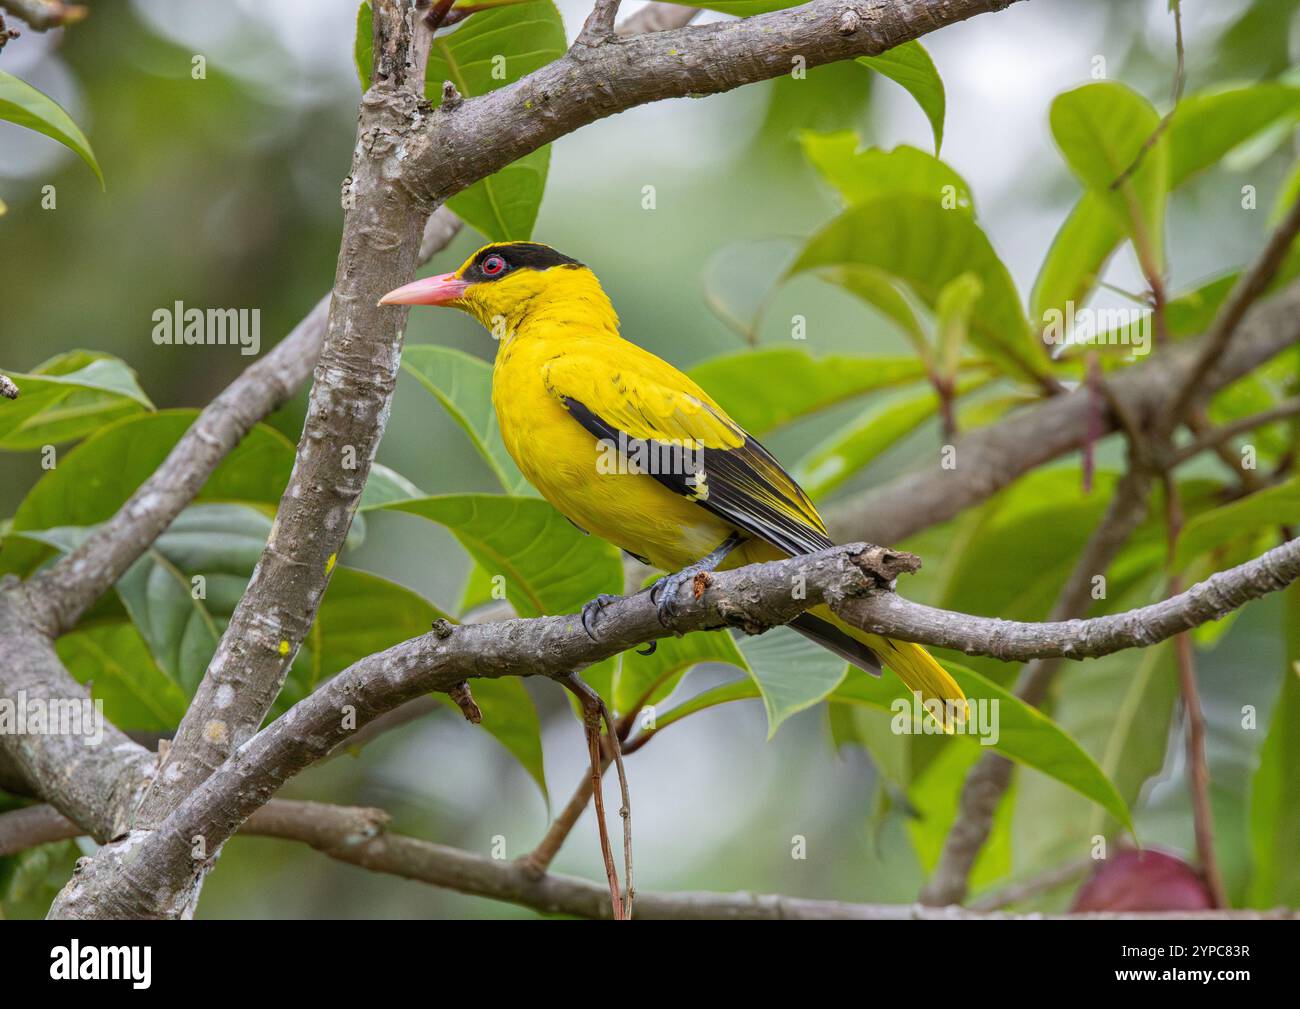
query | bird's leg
[664, 591]
[594, 710]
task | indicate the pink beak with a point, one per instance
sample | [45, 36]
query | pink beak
[443, 289]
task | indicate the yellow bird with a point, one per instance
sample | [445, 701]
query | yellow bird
[627, 447]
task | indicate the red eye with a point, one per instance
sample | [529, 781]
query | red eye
[494, 266]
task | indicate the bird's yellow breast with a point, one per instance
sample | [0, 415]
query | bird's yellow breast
[574, 471]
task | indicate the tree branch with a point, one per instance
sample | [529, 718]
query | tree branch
[657, 17]
[95, 785]
[65, 590]
[150, 873]
[456, 147]
[989, 779]
[1013, 641]
[42, 15]
[599, 26]
[1252, 285]
[346, 417]
[992, 458]
[360, 837]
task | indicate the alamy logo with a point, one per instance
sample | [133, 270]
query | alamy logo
[102, 963]
[54, 716]
[915, 717]
[650, 457]
[214, 327]
[1098, 327]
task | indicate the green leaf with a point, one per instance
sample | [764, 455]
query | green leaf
[30, 880]
[363, 613]
[181, 592]
[833, 96]
[549, 566]
[363, 45]
[385, 486]
[1023, 734]
[861, 175]
[1009, 727]
[648, 679]
[910, 66]
[791, 672]
[763, 389]
[97, 476]
[1204, 128]
[67, 398]
[953, 311]
[737, 690]
[739, 278]
[491, 49]
[136, 693]
[1077, 257]
[1275, 789]
[935, 797]
[1248, 516]
[848, 450]
[463, 385]
[915, 240]
[22, 104]
[1103, 129]
[1119, 708]
[360, 614]
[1207, 125]
[877, 289]
[510, 716]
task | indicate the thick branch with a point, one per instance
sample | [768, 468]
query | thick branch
[346, 416]
[94, 781]
[42, 15]
[359, 836]
[459, 146]
[851, 579]
[992, 458]
[1013, 641]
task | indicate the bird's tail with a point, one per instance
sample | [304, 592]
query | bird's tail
[940, 694]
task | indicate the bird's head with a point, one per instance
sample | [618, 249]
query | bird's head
[505, 282]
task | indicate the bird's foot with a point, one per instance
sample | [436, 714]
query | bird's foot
[663, 593]
[591, 610]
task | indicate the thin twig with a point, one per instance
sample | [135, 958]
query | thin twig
[1217, 436]
[593, 710]
[1252, 284]
[625, 811]
[42, 15]
[360, 836]
[1198, 422]
[1165, 120]
[599, 26]
[1197, 762]
[990, 778]
[1017, 893]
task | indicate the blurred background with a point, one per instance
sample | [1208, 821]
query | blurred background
[225, 192]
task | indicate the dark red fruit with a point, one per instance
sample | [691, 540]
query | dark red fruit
[1147, 880]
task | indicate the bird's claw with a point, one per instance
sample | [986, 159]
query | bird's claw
[663, 594]
[591, 610]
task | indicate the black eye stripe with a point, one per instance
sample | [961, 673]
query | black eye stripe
[516, 256]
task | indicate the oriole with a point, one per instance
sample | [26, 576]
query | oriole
[570, 393]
